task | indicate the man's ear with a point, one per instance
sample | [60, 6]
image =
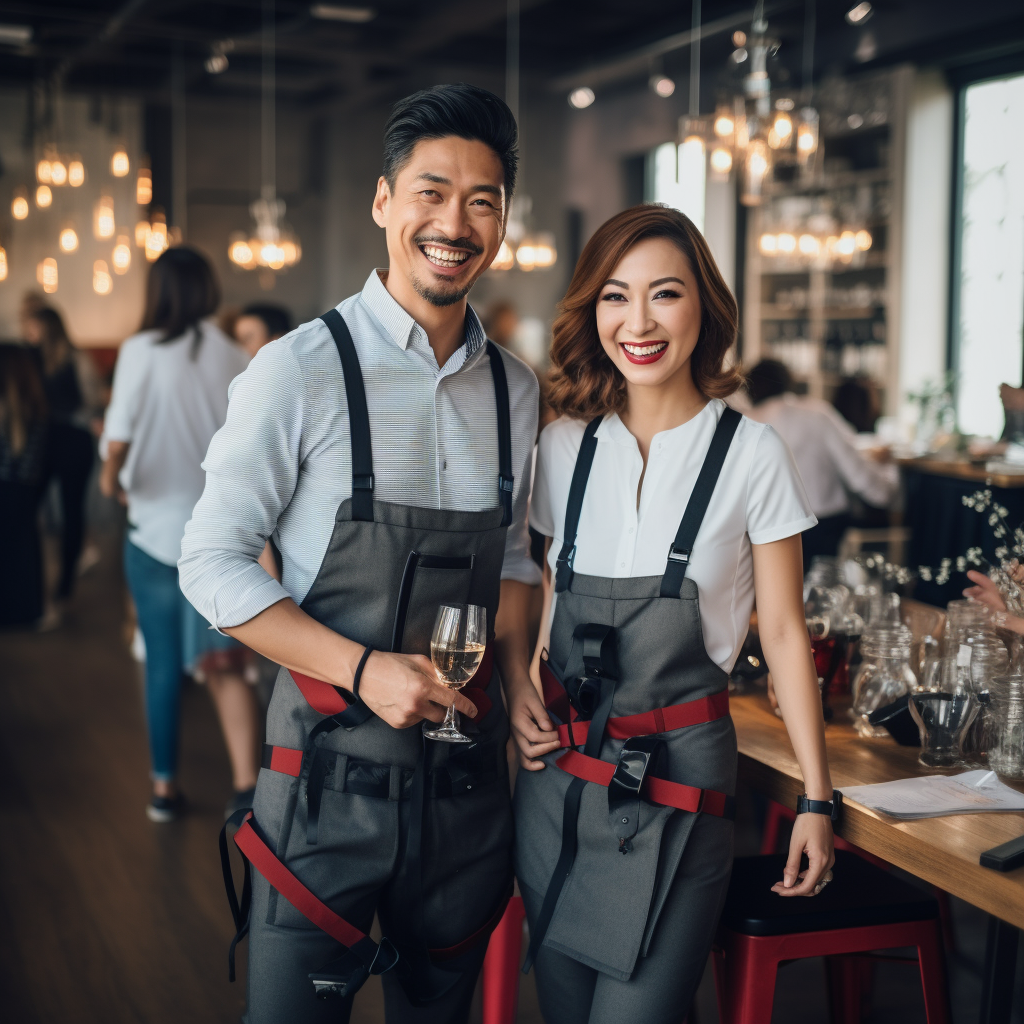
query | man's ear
[380, 202]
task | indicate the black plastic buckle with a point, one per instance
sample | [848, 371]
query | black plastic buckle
[506, 483]
[563, 569]
[585, 694]
[363, 482]
[636, 759]
[347, 975]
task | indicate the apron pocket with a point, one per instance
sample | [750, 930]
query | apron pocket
[428, 582]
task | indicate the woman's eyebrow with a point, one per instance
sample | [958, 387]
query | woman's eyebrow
[665, 280]
[618, 284]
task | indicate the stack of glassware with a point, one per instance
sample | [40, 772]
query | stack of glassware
[885, 674]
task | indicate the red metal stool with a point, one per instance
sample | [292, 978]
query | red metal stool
[501, 966]
[864, 909]
[778, 814]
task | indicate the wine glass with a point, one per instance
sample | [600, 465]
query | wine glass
[456, 649]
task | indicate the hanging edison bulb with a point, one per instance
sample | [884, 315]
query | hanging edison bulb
[721, 163]
[119, 163]
[292, 251]
[58, 172]
[780, 135]
[769, 244]
[46, 275]
[68, 238]
[787, 243]
[44, 173]
[43, 196]
[862, 239]
[141, 233]
[76, 172]
[506, 258]
[121, 257]
[270, 254]
[807, 135]
[756, 168]
[240, 252]
[19, 204]
[144, 187]
[103, 218]
[156, 238]
[3, 264]
[102, 282]
[725, 123]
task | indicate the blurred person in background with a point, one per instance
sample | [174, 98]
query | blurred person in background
[260, 324]
[23, 476]
[72, 396]
[822, 442]
[856, 400]
[170, 397]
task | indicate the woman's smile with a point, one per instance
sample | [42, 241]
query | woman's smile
[645, 352]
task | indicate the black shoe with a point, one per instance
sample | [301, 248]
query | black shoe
[241, 801]
[165, 808]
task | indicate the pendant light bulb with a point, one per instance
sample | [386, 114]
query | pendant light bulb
[721, 163]
[68, 239]
[121, 257]
[807, 135]
[756, 169]
[46, 275]
[103, 218]
[144, 187]
[102, 282]
[44, 172]
[19, 204]
[3, 264]
[119, 163]
[76, 172]
[43, 196]
[58, 172]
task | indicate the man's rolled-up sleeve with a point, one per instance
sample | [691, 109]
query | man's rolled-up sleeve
[251, 471]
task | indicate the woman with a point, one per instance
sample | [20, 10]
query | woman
[23, 475]
[170, 397]
[68, 379]
[623, 895]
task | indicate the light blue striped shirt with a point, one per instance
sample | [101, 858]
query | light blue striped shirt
[282, 463]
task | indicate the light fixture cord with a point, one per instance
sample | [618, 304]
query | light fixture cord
[810, 27]
[268, 113]
[695, 60]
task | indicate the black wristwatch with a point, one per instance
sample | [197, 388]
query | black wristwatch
[830, 808]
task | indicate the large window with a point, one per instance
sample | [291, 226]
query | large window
[675, 177]
[989, 292]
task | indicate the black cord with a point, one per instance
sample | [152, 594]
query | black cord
[359, 670]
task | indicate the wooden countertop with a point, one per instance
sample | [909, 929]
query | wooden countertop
[943, 851]
[961, 469]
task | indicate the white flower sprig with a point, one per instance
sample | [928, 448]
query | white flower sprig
[982, 501]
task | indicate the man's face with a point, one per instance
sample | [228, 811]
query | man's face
[251, 333]
[445, 219]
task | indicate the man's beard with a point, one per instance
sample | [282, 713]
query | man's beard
[440, 298]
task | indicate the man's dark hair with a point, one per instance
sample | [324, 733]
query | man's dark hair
[276, 319]
[181, 290]
[768, 379]
[461, 110]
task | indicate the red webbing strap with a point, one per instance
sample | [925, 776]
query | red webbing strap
[659, 791]
[326, 699]
[556, 699]
[678, 716]
[264, 861]
[451, 952]
[286, 761]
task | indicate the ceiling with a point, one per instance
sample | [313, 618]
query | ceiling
[131, 46]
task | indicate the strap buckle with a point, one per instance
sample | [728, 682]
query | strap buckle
[678, 556]
[363, 482]
[506, 483]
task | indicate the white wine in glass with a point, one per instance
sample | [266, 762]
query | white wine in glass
[456, 650]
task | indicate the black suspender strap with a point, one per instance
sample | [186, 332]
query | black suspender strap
[505, 479]
[578, 487]
[680, 549]
[358, 418]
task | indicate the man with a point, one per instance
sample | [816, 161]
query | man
[259, 324]
[386, 448]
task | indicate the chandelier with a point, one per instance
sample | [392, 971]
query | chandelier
[270, 245]
[755, 132]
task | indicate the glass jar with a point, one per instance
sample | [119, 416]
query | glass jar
[1006, 711]
[885, 674]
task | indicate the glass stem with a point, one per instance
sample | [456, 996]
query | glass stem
[449, 719]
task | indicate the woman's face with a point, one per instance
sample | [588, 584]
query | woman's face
[648, 313]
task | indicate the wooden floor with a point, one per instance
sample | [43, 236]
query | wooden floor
[108, 918]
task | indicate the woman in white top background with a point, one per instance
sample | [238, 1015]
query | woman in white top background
[638, 352]
[170, 396]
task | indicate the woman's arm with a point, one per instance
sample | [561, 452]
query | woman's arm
[778, 585]
[117, 453]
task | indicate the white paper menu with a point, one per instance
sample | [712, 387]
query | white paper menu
[936, 795]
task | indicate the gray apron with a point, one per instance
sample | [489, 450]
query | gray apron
[365, 817]
[622, 647]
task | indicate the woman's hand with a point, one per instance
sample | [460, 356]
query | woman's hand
[985, 591]
[812, 834]
[532, 729]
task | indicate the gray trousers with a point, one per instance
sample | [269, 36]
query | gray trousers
[664, 982]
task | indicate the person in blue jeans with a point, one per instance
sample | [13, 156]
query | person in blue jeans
[170, 397]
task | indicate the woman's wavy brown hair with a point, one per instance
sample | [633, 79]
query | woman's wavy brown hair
[583, 381]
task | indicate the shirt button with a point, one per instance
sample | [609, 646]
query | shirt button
[631, 529]
[444, 465]
[622, 565]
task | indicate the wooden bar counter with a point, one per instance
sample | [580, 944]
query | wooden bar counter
[943, 851]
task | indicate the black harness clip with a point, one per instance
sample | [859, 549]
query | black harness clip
[347, 975]
[636, 759]
[599, 662]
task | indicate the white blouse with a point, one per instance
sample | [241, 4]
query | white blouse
[758, 499]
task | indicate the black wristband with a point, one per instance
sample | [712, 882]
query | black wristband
[830, 808]
[359, 670]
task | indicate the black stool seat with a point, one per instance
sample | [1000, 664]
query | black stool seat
[861, 895]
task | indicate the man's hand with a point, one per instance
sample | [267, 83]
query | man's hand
[532, 730]
[403, 690]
